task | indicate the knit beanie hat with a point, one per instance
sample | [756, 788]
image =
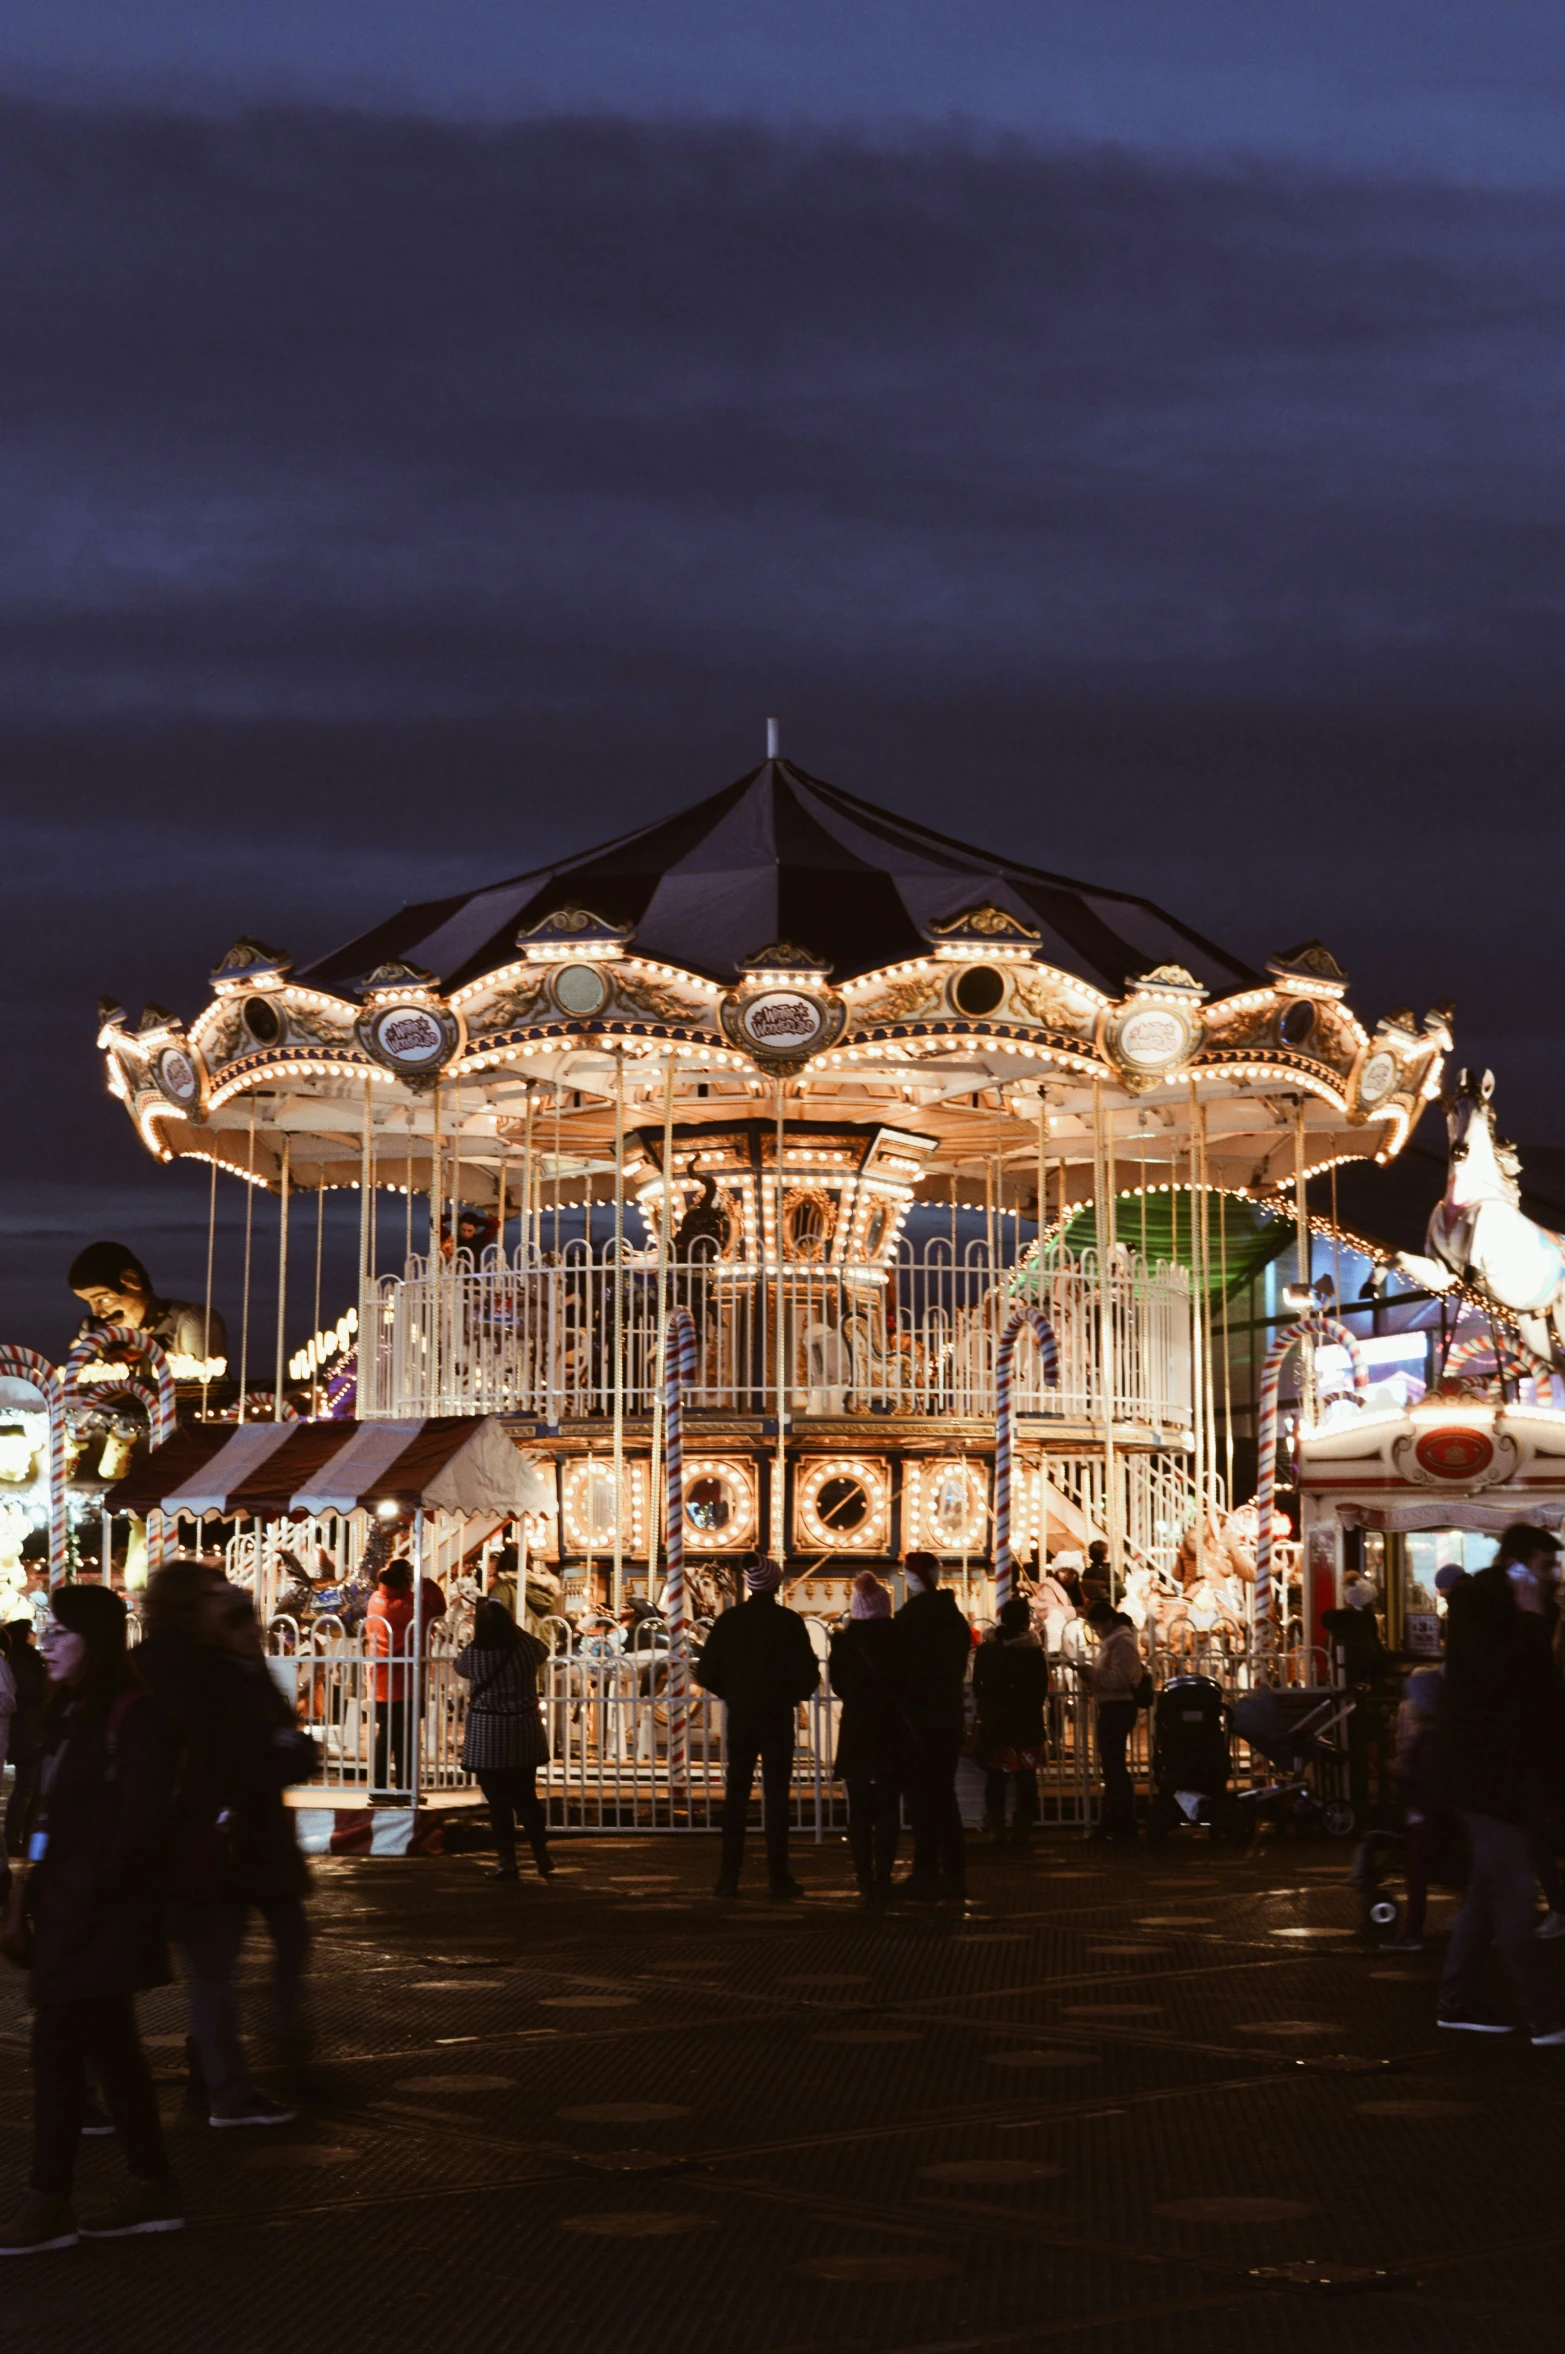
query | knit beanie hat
[764, 1575]
[923, 1569]
[870, 1598]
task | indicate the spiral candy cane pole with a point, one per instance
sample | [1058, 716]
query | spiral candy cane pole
[679, 1373]
[1049, 1357]
[1318, 1328]
[156, 1393]
[26, 1365]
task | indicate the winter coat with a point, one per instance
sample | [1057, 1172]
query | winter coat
[504, 1729]
[872, 1734]
[933, 1644]
[1365, 1659]
[97, 1893]
[1010, 1686]
[1115, 1667]
[759, 1657]
[234, 1839]
[1500, 1730]
[388, 1628]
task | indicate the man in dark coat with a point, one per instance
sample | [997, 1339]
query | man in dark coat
[934, 1641]
[760, 1662]
[872, 1733]
[1500, 1760]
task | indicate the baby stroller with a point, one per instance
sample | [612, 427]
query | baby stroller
[1190, 1763]
[1291, 1737]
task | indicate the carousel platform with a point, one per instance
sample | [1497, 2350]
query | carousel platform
[1168, 2105]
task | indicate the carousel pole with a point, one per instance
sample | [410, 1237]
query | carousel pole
[320, 1240]
[1103, 1131]
[282, 1278]
[1303, 1333]
[1035, 1321]
[1228, 1401]
[367, 1325]
[416, 1668]
[244, 1316]
[659, 1407]
[779, 1482]
[432, 1316]
[211, 1248]
[1197, 1367]
[618, 1586]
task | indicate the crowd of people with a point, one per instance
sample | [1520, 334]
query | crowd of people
[148, 1802]
[147, 1810]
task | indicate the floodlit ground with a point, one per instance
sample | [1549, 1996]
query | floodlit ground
[612, 2113]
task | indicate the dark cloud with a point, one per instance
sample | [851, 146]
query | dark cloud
[388, 503]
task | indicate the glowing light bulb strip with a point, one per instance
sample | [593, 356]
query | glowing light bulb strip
[1313, 1328]
[680, 1369]
[1042, 1331]
[26, 1365]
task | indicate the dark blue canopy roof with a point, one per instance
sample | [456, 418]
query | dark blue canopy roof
[781, 856]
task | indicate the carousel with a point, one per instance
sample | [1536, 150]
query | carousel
[885, 1126]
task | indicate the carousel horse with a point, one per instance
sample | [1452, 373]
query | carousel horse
[1479, 1235]
[1222, 1554]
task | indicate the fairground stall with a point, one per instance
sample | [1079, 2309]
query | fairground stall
[936, 1153]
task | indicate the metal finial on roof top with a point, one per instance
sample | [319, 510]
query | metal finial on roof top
[773, 742]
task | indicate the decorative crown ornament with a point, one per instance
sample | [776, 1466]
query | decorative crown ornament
[251, 960]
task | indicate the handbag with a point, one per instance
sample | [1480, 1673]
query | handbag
[16, 1937]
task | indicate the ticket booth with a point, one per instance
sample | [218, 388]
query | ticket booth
[1398, 1496]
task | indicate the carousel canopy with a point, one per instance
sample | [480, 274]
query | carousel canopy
[782, 856]
[781, 948]
[453, 1463]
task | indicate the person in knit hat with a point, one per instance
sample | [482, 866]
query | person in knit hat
[872, 1734]
[934, 1642]
[760, 1662]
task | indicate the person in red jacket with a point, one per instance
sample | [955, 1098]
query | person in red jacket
[389, 1629]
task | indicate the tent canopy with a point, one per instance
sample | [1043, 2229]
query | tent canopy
[463, 1463]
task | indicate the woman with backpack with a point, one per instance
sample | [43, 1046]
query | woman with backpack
[91, 1912]
[505, 1743]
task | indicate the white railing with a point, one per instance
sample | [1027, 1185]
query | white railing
[573, 1334]
[606, 1715]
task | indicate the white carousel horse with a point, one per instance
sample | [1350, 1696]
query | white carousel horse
[1479, 1235]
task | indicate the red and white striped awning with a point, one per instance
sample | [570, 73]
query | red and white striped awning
[269, 1470]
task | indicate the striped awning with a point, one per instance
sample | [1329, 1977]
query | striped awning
[444, 1462]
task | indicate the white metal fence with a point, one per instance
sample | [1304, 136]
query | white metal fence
[606, 1714]
[573, 1333]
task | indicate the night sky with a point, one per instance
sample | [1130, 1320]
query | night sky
[434, 437]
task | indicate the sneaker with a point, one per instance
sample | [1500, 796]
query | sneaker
[257, 2108]
[783, 1891]
[95, 2125]
[1549, 2035]
[145, 2206]
[1470, 2019]
[544, 1860]
[727, 1889]
[503, 1872]
[1552, 1925]
[40, 2223]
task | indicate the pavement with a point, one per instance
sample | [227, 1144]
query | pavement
[1166, 2103]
